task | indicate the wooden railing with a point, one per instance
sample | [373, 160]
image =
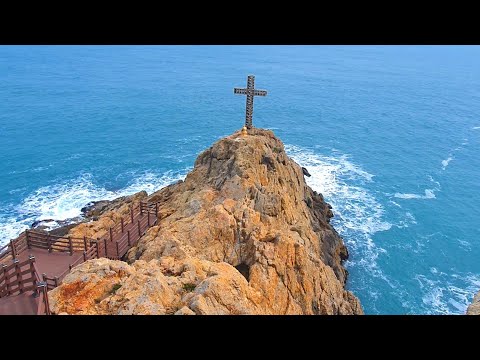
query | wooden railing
[50, 282]
[119, 239]
[42, 292]
[22, 277]
[18, 277]
[40, 240]
[14, 247]
[131, 236]
[43, 305]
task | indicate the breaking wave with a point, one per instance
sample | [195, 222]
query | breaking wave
[64, 200]
[440, 296]
[446, 162]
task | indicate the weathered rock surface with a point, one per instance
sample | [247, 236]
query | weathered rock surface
[243, 234]
[474, 308]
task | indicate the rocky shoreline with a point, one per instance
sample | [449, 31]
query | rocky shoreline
[90, 212]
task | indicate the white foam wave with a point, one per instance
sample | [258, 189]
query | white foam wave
[407, 220]
[410, 217]
[475, 127]
[11, 227]
[450, 157]
[429, 194]
[395, 203]
[357, 208]
[446, 162]
[440, 296]
[64, 200]
[437, 184]
[465, 244]
[358, 215]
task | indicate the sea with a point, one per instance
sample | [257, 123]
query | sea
[390, 135]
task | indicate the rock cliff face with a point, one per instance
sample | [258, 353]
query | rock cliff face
[474, 308]
[243, 234]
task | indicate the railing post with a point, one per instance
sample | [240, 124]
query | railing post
[111, 234]
[85, 243]
[31, 260]
[148, 218]
[118, 252]
[98, 248]
[105, 243]
[7, 279]
[84, 256]
[70, 244]
[139, 231]
[44, 279]
[45, 299]
[28, 240]
[121, 221]
[56, 280]
[43, 287]
[19, 277]
[12, 246]
[131, 214]
[49, 242]
[128, 238]
[36, 293]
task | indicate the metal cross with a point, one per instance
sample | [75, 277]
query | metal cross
[250, 92]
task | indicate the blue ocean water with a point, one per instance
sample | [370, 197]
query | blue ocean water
[390, 134]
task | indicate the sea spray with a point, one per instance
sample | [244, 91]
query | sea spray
[64, 200]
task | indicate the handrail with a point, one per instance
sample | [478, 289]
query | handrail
[15, 247]
[43, 304]
[3, 249]
[37, 273]
[115, 244]
[41, 233]
[13, 282]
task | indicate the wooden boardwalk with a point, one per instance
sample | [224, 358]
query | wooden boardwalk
[36, 261]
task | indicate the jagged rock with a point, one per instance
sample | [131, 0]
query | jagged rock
[305, 172]
[474, 308]
[242, 234]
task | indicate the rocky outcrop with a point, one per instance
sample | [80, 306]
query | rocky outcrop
[91, 212]
[474, 308]
[243, 234]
